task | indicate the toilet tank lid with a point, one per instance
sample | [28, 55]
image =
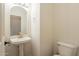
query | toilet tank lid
[67, 45]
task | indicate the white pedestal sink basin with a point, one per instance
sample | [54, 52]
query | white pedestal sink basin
[20, 41]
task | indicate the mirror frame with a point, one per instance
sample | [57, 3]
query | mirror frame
[8, 7]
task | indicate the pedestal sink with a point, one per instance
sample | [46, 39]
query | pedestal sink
[20, 41]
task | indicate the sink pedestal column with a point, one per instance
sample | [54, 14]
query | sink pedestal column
[21, 51]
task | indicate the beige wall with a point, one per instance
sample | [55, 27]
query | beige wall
[11, 50]
[0, 20]
[1, 30]
[46, 29]
[66, 23]
[28, 48]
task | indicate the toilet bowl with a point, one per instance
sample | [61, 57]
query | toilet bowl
[65, 49]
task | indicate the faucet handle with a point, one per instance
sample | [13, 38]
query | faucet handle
[5, 43]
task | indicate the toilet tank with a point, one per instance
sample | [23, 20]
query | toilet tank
[65, 49]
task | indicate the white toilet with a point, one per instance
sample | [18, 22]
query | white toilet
[65, 49]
